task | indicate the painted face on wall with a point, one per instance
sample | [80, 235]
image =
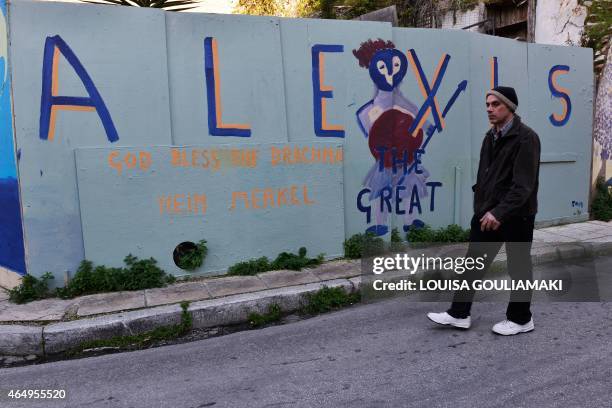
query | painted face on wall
[388, 68]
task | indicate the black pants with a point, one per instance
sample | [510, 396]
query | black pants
[517, 233]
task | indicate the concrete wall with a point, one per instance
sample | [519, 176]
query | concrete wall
[139, 130]
[559, 22]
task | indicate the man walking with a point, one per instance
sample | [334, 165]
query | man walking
[505, 205]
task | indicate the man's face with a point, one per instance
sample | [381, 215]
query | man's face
[497, 111]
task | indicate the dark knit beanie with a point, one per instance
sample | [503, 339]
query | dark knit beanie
[507, 95]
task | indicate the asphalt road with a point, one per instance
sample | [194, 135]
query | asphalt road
[385, 354]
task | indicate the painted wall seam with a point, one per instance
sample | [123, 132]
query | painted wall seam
[170, 113]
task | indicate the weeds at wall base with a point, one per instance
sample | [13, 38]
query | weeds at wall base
[31, 289]
[284, 260]
[322, 301]
[138, 274]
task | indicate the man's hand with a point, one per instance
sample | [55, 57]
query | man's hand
[488, 222]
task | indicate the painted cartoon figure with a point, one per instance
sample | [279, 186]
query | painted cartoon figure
[385, 121]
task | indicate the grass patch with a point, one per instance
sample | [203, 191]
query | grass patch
[601, 206]
[144, 339]
[272, 315]
[328, 299]
[284, 260]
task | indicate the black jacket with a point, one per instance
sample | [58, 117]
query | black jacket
[507, 180]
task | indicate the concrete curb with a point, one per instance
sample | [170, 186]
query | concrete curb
[59, 337]
[20, 340]
[229, 310]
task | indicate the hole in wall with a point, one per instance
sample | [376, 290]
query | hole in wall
[181, 250]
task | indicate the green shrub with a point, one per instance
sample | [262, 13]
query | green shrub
[601, 206]
[31, 289]
[453, 233]
[191, 259]
[284, 260]
[425, 234]
[137, 275]
[421, 234]
[362, 244]
[327, 299]
[395, 236]
[250, 267]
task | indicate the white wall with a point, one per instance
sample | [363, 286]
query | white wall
[559, 22]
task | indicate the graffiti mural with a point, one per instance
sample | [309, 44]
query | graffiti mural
[393, 125]
[561, 93]
[51, 101]
[386, 121]
[322, 92]
[215, 122]
[11, 236]
[258, 134]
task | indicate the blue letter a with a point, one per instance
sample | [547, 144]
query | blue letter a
[50, 102]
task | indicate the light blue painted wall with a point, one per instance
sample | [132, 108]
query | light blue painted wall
[127, 218]
[251, 76]
[123, 50]
[567, 149]
[150, 69]
[512, 71]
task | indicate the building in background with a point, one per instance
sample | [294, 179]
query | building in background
[558, 22]
[205, 6]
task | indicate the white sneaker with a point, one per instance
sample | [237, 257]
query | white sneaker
[507, 328]
[446, 319]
